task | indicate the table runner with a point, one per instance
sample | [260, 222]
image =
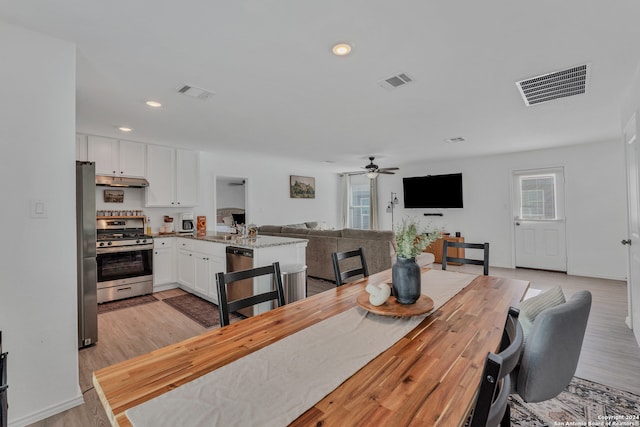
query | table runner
[276, 384]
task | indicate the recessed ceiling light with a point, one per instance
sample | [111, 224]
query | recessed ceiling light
[125, 129]
[341, 49]
[154, 104]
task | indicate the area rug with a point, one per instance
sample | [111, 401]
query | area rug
[582, 403]
[198, 309]
[125, 303]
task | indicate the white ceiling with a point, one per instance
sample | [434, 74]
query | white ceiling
[280, 90]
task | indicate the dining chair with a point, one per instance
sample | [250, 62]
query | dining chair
[492, 402]
[552, 349]
[483, 246]
[341, 276]
[223, 280]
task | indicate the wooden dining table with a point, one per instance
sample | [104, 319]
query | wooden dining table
[429, 377]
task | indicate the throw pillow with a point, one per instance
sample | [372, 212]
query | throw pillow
[323, 226]
[530, 308]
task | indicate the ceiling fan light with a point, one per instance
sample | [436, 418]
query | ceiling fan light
[372, 175]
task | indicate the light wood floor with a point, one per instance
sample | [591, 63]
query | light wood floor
[610, 355]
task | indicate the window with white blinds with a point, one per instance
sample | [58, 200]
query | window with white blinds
[359, 202]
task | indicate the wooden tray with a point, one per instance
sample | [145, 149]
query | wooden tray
[393, 308]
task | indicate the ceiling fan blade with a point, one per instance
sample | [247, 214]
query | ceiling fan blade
[386, 172]
[388, 169]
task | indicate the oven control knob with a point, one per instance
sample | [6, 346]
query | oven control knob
[138, 241]
[101, 244]
[109, 243]
[144, 240]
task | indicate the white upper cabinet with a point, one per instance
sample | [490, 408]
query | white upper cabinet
[132, 158]
[117, 158]
[173, 177]
[187, 177]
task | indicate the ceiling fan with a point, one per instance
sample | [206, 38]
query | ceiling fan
[372, 170]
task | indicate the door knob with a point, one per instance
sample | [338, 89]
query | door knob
[517, 223]
[626, 242]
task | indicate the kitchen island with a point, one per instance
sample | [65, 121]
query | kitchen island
[191, 261]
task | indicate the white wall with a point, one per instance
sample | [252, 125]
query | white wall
[595, 203]
[268, 189]
[38, 312]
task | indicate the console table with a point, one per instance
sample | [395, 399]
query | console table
[436, 248]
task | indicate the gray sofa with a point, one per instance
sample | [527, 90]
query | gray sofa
[379, 246]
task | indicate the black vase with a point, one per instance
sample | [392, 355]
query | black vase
[405, 275]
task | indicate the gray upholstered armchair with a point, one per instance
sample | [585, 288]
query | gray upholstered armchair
[552, 349]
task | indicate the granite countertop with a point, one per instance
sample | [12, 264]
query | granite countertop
[233, 240]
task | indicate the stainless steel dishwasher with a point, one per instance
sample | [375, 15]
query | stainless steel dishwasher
[240, 259]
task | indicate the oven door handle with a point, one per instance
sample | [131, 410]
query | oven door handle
[131, 248]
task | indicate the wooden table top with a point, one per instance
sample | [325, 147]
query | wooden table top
[429, 377]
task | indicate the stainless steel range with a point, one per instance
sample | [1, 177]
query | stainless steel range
[124, 257]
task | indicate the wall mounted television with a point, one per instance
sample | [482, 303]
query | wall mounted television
[433, 191]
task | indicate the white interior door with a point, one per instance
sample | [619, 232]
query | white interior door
[632, 154]
[539, 226]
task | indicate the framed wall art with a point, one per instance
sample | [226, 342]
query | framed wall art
[302, 187]
[114, 196]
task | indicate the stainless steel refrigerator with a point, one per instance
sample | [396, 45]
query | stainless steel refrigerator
[86, 243]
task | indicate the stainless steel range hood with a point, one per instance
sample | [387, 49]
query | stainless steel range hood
[121, 181]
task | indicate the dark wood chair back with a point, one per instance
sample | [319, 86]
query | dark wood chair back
[226, 279]
[341, 276]
[482, 246]
[492, 403]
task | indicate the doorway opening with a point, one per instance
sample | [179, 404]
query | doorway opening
[231, 202]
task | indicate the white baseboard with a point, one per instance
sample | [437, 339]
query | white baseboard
[46, 412]
[165, 287]
[596, 276]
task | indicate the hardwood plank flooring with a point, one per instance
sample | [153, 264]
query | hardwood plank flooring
[610, 353]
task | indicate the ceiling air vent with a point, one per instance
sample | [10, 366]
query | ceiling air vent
[560, 84]
[396, 81]
[454, 140]
[195, 92]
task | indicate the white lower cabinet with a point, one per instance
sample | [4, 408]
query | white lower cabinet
[164, 262]
[186, 269]
[202, 274]
[217, 264]
[198, 262]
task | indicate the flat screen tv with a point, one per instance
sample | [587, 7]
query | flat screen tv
[433, 191]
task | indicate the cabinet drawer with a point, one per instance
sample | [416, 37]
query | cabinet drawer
[209, 248]
[186, 244]
[164, 242]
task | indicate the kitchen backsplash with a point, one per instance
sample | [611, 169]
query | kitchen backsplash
[134, 201]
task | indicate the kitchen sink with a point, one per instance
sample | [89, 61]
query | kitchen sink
[222, 237]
